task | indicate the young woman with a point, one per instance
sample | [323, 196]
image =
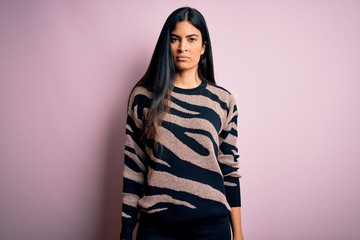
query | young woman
[180, 175]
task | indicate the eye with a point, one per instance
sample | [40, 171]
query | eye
[174, 39]
[192, 39]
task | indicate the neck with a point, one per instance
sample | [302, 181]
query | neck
[187, 79]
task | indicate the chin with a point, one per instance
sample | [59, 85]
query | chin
[183, 68]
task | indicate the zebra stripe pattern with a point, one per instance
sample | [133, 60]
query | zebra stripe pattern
[194, 172]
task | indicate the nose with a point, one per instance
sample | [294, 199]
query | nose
[183, 46]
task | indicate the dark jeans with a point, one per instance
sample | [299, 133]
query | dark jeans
[207, 229]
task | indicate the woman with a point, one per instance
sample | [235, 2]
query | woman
[180, 176]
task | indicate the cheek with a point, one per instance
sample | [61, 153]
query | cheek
[198, 51]
[173, 48]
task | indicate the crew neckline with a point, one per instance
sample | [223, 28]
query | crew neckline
[190, 90]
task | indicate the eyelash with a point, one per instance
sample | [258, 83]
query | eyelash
[173, 40]
[176, 39]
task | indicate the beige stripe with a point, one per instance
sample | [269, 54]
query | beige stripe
[230, 138]
[198, 100]
[181, 109]
[125, 215]
[149, 201]
[203, 101]
[130, 199]
[138, 122]
[230, 125]
[153, 158]
[139, 91]
[169, 181]
[193, 123]
[135, 159]
[230, 184]
[228, 160]
[136, 92]
[129, 128]
[185, 153]
[132, 175]
[157, 210]
[223, 95]
[233, 174]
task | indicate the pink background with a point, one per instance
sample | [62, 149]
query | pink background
[66, 69]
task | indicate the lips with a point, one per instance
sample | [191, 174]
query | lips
[182, 58]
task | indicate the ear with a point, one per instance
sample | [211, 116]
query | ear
[203, 49]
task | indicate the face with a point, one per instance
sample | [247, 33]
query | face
[186, 46]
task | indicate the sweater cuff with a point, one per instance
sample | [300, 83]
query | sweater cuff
[233, 192]
[127, 231]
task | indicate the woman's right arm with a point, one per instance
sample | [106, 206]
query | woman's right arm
[134, 166]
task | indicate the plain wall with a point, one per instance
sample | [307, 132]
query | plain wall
[66, 69]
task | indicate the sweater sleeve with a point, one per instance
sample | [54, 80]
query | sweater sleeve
[134, 165]
[228, 155]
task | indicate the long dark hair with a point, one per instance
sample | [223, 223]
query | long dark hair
[160, 74]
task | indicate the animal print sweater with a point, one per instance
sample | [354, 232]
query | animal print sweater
[195, 174]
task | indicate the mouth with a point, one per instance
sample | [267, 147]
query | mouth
[182, 58]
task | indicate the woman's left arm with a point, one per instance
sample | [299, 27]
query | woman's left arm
[228, 160]
[235, 217]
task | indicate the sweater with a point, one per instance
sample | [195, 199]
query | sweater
[193, 173]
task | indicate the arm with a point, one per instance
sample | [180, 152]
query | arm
[228, 158]
[236, 225]
[134, 167]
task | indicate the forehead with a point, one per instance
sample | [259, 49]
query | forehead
[185, 28]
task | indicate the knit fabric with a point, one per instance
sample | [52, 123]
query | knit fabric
[193, 174]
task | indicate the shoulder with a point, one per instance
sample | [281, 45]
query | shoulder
[223, 94]
[140, 90]
[139, 95]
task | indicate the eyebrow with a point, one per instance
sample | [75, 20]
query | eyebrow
[191, 35]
